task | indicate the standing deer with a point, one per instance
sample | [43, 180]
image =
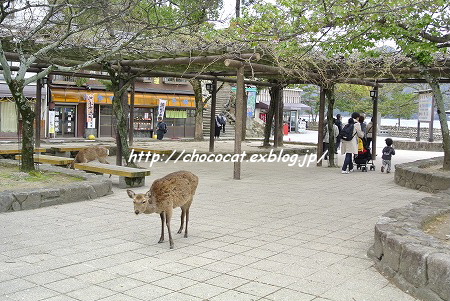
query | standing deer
[177, 189]
[91, 153]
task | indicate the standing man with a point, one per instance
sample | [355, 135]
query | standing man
[161, 128]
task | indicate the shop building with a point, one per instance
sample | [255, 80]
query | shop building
[81, 111]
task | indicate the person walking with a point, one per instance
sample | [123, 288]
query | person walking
[349, 134]
[161, 128]
[388, 152]
[217, 126]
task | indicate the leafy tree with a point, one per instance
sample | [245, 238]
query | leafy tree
[353, 98]
[73, 34]
[42, 30]
[393, 101]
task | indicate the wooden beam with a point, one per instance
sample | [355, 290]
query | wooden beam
[190, 60]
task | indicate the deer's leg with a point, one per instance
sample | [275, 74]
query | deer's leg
[187, 219]
[183, 213]
[168, 218]
[161, 239]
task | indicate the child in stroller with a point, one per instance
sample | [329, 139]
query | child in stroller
[364, 156]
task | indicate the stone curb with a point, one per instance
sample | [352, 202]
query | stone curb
[415, 175]
[416, 262]
[93, 187]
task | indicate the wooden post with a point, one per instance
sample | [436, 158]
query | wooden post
[320, 126]
[418, 131]
[131, 130]
[431, 128]
[276, 117]
[212, 127]
[37, 110]
[239, 119]
[375, 124]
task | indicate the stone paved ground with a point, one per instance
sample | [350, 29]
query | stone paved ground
[280, 233]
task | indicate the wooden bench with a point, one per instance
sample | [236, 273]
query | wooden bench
[64, 151]
[15, 151]
[128, 176]
[54, 160]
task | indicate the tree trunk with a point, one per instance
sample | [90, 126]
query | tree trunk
[198, 132]
[121, 110]
[329, 92]
[439, 102]
[27, 114]
[269, 120]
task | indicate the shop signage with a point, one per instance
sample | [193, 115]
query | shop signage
[162, 107]
[90, 111]
[51, 122]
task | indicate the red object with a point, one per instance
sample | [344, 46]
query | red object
[285, 129]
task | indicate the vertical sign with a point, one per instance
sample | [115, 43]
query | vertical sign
[51, 122]
[90, 111]
[251, 102]
[425, 106]
[161, 107]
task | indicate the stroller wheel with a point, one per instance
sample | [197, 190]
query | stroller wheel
[364, 169]
[372, 167]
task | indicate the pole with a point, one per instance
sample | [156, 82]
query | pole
[276, 117]
[430, 129]
[418, 131]
[213, 115]
[375, 124]
[321, 124]
[131, 130]
[239, 120]
[37, 109]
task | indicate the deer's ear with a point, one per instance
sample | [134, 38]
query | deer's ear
[131, 194]
[148, 194]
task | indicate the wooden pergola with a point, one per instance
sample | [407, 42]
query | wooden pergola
[235, 68]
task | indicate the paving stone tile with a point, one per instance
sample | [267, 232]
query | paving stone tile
[33, 294]
[203, 291]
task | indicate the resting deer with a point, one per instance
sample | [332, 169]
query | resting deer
[177, 189]
[91, 153]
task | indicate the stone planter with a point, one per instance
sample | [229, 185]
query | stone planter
[93, 187]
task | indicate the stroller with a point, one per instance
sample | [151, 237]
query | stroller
[364, 156]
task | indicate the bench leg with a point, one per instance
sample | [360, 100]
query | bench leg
[125, 182]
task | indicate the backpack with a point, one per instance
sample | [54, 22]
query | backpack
[347, 132]
[163, 127]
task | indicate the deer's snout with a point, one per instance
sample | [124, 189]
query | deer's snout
[137, 212]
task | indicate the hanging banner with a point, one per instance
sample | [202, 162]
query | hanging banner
[161, 107]
[51, 122]
[425, 106]
[251, 101]
[90, 120]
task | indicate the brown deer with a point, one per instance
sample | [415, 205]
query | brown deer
[177, 189]
[91, 153]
